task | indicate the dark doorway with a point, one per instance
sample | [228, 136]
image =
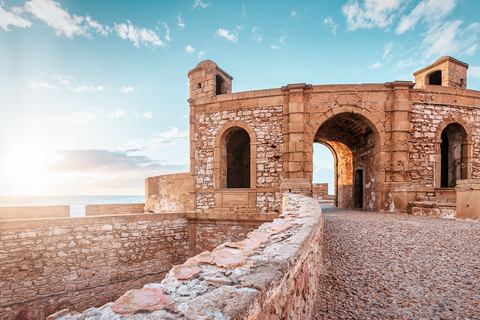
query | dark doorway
[219, 81]
[435, 78]
[453, 150]
[444, 163]
[238, 160]
[358, 192]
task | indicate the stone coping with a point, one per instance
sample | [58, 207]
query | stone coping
[270, 275]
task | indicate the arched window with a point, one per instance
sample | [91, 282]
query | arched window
[219, 81]
[453, 152]
[435, 78]
[238, 159]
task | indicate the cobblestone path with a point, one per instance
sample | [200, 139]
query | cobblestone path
[397, 266]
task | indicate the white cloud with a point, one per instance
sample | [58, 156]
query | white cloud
[471, 51]
[200, 4]
[167, 31]
[376, 65]
[257, 34]
[97, 26]
[126, 89]
[293, 13]
[428, 10]
[243, 15]
[75, 119]
[54, 16]
[148, 115]
[138, 35]
[160, 139]
[386, 50]
[372, 13]
[274, 47]
[227, 35]
[474, 72]
[189, 49]
[180, 23]
[116, 113]
[201, 54]
[329, 24]
[64, 80]
[12, 18]
[85, 88]
[449, 39]
[41, 84]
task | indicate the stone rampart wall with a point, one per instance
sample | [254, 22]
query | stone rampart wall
[34, 212]
[52, 264]
[272, 274]
[168, 193]
[113, 209]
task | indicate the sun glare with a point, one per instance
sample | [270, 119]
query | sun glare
[23, 169]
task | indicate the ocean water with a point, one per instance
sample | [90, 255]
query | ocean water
[77, 203]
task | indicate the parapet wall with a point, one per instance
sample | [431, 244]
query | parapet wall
[272, 274]
[113, 209]
[34, 212]
[168, 193]
[51, 264]
[468, 199]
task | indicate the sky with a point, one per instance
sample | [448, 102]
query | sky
[93, 94]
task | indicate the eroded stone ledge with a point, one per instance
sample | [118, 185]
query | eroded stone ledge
[270, 275]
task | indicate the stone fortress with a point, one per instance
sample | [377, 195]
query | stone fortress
[398, 147]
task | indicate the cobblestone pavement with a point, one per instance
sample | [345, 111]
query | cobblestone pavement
[398, 266]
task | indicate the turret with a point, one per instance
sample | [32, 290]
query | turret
[445, 71]
[207, 79]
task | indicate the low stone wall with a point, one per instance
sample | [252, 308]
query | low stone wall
[444, 210]
[468, 199]
[51, 264]
[33, 212]
[168, 193]
[272, 274]
[113, 209]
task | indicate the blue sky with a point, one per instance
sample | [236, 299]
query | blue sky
[93, 93]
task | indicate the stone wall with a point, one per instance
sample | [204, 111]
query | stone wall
[272, 274]
[468, 199]
[111, 209]
[168, 193]
[33, 212]
[52, 264]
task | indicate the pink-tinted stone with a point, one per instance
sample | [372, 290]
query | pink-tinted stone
[186, 271]
[204, 258]
[147, 299]
[227, 259]
[281, 225]
[261, 237]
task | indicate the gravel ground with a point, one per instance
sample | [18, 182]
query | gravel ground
[397, 266]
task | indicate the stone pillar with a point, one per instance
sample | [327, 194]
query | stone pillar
[295, 178]
[468, 199]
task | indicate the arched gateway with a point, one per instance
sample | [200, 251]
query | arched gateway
[393, 143]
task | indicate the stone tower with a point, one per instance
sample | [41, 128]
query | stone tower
[445, 71]
[207, 79]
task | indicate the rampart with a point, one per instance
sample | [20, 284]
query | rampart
[34, 212]
[56, 263]
[168, 193]
[272, 274]
[111, 209]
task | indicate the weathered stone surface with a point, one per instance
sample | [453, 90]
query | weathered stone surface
[147, 299]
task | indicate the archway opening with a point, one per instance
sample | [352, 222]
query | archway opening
[435, 78]
[352, 140]
[323, 172]
[238, 159]
[453, 151]
[219, 84]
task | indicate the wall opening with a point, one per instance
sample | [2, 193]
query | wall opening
[358, 189]
[238, 159]
[435, 78]
[323, 169]
[452, 148]
[219, 83]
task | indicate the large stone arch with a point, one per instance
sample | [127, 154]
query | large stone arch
[219, 165]
[466, 149]
[376, 134]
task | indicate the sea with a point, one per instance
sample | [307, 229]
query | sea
[77, 203]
